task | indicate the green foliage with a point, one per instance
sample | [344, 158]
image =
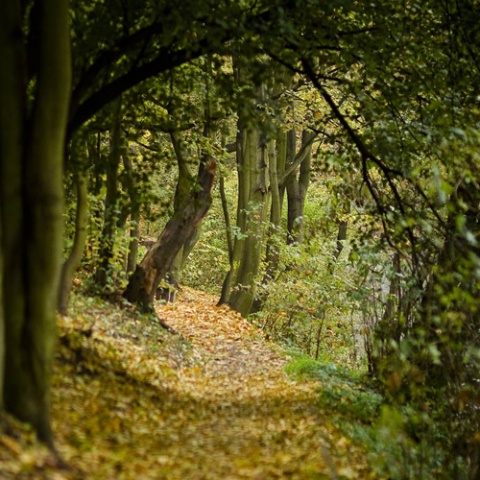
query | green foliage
[421, 449]
[309, 307]
[343, 390]
[391, 88]
[402, 442]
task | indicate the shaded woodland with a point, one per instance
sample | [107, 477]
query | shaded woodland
[314, 165]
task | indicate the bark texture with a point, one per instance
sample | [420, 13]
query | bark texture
[252, 167]
[74, 258]
[160, 258]
[297, 186]
[32, 137]
[135, 205]
[110, 221]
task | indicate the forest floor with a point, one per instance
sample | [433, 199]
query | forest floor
[212, 401]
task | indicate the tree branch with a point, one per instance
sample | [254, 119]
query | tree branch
[366, 155]
[299, 158]
[165, 60]
[113, 53]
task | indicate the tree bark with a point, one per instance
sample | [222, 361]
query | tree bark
[250, 218]
[341, 237]
[74, 258]
[297, 186]
[32, 139]
[135, 203]
[110, 214]
[272, 256]
[160, 258]
[2, 326]
[228, 231]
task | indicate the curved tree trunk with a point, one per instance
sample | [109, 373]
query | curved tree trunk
[32, 139]
[160, 258]
[73, 261]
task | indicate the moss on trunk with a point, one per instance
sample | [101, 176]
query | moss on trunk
[31, 160]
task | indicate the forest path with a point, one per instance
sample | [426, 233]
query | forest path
[251, 421]
[212, 402]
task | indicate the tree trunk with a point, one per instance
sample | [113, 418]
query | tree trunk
[110, 214]
[276, 158]
[133, 242]
[297, 186]
[135, 202]
[228, 231]
[250, 217]
[341, 237]
[2, 326]
[73, 261]
[32, 146]
[183, 254]
[160, 258]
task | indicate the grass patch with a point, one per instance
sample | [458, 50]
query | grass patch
[344, 391]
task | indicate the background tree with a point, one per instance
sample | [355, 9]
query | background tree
[74, 258]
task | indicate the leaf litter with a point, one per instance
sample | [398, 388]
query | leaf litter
[132, 401]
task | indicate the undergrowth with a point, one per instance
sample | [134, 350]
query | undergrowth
[401, 443]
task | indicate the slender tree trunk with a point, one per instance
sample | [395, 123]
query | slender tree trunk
[228, 231]
[74, 258]
[297, 186]
[272, 254]
[134, 214]
[341, 237]
[110, 213]
[32, 147]
[241, 221]
[133, 242]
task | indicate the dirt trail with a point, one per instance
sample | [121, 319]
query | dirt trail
[210, 403]
[252, 421]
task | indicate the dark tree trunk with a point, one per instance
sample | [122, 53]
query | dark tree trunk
[135, 202]
[341, 237]
[2, 325]
[32, 145]
[110, 213]
[133, 242]
[228, 231]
